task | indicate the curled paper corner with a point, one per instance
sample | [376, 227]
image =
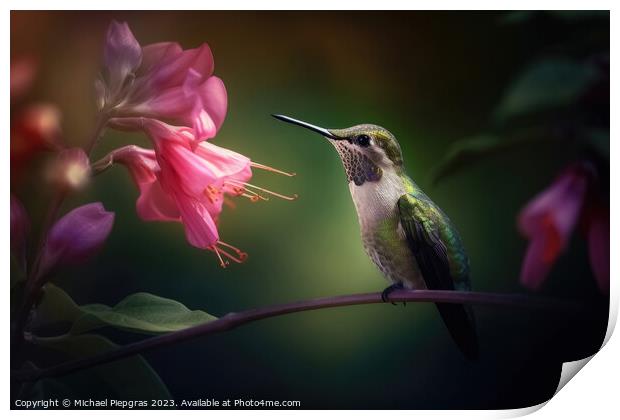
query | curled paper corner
[520, 412]
[613, 318]
[569, 370]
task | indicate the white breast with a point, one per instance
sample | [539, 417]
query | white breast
[376, 204]
[376, 201]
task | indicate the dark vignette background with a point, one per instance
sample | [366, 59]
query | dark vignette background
[429, 77]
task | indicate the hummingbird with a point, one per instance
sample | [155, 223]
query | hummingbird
[405, 234]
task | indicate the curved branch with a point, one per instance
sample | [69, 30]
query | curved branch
[235, 319]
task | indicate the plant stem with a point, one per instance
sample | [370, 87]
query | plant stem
[100, 124]
[236, 319]
[33, 280]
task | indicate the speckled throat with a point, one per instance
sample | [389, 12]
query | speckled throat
[358, 166]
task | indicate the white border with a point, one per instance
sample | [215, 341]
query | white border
[593, 394]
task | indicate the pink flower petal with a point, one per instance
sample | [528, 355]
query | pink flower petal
[153, 204]
[548, 221]
[214, 100]
[562, 202]
[541, 253]
[122, 55]
[224, 162]
[156, 205]
[76, 237]
[204, 127]
[200, 105]
[186, 170]
[173, 72]
[209, 104]
[155, 54]
[200, 228]
[140, 162]
[181, 167]
[171, 84]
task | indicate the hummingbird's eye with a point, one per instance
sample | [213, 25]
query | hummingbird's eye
[363, 140]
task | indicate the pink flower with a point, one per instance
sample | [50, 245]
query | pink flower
[183, 178]
[161, 81]
[76, 237]
[153, 203]
[184, 182]
[549, 219]
[20, 225]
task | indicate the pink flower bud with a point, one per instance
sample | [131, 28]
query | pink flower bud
[76, 237]
[20, 225]
[122, 55]
[70, 169]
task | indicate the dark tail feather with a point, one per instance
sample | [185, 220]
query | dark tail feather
[462, 327]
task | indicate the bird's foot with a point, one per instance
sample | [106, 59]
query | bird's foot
[385, 295]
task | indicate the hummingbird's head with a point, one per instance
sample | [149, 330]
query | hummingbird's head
[367, 151]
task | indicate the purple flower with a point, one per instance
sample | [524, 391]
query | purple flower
[76, 237]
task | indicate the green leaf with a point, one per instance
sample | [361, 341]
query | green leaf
[130, 378]
[548, 84]
[56, 306]
[141, 312]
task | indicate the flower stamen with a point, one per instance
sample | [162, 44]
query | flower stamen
[212, 193]
[242, 255]
[253, 196]
[217, 252]
[275, 194]
[243, 191]
[245, 186]
[270, 169]
[224, 256]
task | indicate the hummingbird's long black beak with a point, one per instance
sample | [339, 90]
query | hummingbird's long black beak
[322, 131]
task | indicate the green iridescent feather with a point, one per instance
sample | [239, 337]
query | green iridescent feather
[425, 211]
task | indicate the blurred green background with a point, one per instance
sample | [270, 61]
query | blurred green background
[429, 77]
